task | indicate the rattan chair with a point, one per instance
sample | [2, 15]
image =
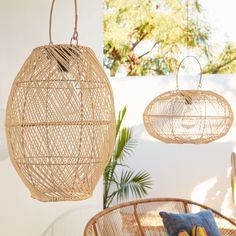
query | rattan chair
[141, 218]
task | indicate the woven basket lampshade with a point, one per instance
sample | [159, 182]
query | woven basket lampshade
[188, 116]
[60, 122]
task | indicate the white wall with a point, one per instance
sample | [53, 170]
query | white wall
[197, 172]
[23, 26]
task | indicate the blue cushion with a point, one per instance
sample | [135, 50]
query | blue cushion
[174, 223]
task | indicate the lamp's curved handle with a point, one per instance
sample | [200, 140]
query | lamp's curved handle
[75, 33]
[177, 75]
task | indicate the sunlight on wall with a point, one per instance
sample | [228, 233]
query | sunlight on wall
[199, 193]
[226, 207]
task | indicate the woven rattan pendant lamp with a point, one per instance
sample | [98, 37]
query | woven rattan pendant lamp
[188, 116]
[60, 121]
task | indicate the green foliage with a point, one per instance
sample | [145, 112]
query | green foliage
[233, 177]
[132, 24]
[224, 63]
[162, 23]
[120, 186]
[132, 183]
[233, 187]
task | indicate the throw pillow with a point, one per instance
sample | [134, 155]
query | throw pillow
[174, 223]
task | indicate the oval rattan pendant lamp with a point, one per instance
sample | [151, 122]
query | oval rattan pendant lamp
[60, 121]
[188, 116]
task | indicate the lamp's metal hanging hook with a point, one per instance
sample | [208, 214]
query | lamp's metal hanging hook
[75, 32]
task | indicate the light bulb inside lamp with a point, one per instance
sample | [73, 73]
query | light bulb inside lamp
[188, 120]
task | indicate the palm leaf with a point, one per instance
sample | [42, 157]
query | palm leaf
[125, 144]
[109, 169]
[120, 118]
[109, 172]
[131, 183]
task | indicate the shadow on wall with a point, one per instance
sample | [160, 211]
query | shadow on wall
[70, 223]
[197, 172]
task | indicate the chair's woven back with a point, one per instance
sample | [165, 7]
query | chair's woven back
[141, 218]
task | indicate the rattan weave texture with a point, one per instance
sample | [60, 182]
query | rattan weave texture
[60, 122]
[141, 218]
[188, 116]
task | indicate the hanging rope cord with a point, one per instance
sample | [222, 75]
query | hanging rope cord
[195, 58]
[75, 32]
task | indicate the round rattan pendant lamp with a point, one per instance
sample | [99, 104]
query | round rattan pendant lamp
[188, 116]
[60, 121]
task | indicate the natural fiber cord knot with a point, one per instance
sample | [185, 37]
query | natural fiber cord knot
[75, 35]
[187, 98]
